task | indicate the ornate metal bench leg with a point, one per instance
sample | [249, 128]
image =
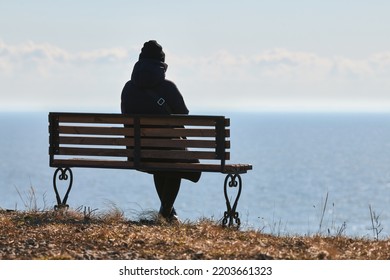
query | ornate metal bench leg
[62, 176]
[231, 216]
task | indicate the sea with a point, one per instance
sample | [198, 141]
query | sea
[313, 173]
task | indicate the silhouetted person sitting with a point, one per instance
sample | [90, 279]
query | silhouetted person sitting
[148, 92]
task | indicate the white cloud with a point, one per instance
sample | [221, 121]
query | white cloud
[38, 76]
[285, 65]
[35, 56]
[45, 75]
[276, 63]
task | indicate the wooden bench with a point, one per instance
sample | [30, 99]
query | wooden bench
[145, 143]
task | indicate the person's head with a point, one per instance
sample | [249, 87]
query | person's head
[152, 50]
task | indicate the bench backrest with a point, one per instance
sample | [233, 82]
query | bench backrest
[142, 142]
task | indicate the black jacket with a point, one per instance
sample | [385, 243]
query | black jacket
[149, 76]
[146, 87]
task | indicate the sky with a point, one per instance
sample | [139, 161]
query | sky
[262, 55]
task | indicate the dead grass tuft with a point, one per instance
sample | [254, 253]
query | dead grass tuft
[88, 235]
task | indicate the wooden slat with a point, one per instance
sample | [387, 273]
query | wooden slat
[177, 132]
[150, 154]
[96, 130]
[178, 155]
[168, 121]
[178, 143]
[145, 119]
[96, 141]
[92, 163]
[147, 132]
[95, 118]
[237, 168]
[189, 167]
[231, 168]
[150, 166]
[95, 152]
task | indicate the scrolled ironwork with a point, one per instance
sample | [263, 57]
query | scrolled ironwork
[62, 175]
[231, 215]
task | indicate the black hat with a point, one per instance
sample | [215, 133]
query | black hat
[152, 50]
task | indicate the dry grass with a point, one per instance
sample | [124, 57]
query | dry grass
[86, 235]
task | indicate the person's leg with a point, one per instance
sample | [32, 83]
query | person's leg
[172, 187]
[167, 189]
[159, 183]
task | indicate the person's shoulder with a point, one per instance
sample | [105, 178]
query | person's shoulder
[169, 83]
[128, 83]
[170, 86]
[128, 88]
